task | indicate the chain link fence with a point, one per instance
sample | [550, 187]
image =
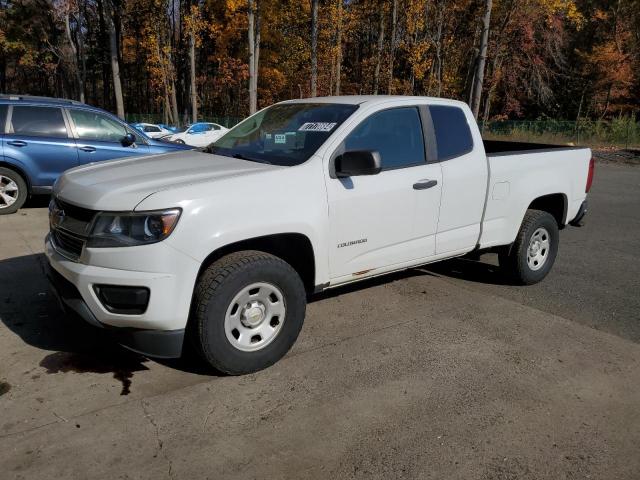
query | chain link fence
[623, 132]
[225, 121]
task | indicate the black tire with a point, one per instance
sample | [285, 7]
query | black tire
[180, 141]
[20, 196]
[216, 289]
[514, 261]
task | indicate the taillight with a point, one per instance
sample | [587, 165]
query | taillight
[592, 165]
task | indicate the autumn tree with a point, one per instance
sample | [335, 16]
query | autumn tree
[314, 48]
[111, 8]
[254, 34]
[482, 58]
[194, 25]
[184, 60]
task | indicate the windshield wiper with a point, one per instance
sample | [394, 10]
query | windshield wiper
[243, 157]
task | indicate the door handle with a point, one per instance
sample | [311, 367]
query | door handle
[17, 143]
[424, 184]
[88, 149]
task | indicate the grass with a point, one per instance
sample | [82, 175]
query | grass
[621, 132]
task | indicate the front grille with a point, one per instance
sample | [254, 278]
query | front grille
[70, 227]
[77, 213]
[68, 243]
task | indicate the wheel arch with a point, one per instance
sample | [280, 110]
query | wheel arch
[556, 204]
[294, 248]
[19, 170]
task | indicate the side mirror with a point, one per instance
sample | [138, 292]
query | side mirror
[128, 140]
[358, 162]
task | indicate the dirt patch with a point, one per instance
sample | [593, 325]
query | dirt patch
[628, 156]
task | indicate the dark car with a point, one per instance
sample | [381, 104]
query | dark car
[43, 137]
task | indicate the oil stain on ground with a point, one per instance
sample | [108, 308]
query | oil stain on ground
[123, 366]
[4, 388]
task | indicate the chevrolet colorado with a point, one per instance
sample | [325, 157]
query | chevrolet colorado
[223, 245]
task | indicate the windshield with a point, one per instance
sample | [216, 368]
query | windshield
[284, 134]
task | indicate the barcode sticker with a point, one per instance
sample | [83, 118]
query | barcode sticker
[317, 127]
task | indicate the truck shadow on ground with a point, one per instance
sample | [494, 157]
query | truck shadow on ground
[30, 310]
[471, 270]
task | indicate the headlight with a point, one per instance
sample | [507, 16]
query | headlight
[129, 229]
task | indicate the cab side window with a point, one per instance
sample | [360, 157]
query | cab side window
[38, 122]
[395, 133]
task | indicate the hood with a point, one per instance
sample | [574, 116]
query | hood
[120, 185]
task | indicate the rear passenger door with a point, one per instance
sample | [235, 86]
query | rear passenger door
[38, 140]
[100, 137]
[464, 179]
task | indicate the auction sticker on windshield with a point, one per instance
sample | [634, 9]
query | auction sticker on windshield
[317, 127]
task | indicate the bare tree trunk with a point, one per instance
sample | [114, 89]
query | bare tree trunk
[439, 51]
[314, 48]
[82, 54]
[104, 61]
[194, 92]
[339, 47]
[257, 52]
[115, 64]
[482, 59]
[607, 101]
[167, 108]
[3, 74]
[174, 101]
[392, 52]
[254, 53]
[376, 74]
[74, 57]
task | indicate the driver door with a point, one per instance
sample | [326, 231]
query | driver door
[100, 137]
[381, 222]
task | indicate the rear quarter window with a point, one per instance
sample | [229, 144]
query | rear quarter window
[452, 132]
[38, 121]
[3, 117]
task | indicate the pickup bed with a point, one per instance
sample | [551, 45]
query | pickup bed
[223, 245]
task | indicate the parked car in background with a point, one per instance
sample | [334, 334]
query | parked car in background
[42, 137]
[171, 128]
[199, 134]
[151, 130]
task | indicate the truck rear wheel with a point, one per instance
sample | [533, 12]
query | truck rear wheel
[13, 191]
[248, 310]
[531, 256]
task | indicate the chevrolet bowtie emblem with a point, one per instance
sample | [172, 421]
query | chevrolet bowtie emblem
[57, 217]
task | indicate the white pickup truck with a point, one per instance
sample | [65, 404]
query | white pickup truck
[223, 245]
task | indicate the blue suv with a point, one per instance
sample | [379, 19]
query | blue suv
[43, 137]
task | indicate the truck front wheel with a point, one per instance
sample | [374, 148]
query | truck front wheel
[248, 310]
[531, 256]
